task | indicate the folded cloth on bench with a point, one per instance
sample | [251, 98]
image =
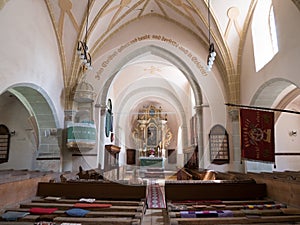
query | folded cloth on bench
[89, 200]
[188, 214]
[13, 215]
[71, 224]
[225, 213]
[37, 210]
[52, 198]
[44, 223]
[177, 207]
[204, 214]
[91, 205]
[198, 214]
[265, 206]
[76, 212]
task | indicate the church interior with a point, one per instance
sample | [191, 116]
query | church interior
[139, 112]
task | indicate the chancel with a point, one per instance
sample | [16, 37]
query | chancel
[151, 136]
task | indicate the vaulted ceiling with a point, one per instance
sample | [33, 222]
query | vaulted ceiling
[228, 22]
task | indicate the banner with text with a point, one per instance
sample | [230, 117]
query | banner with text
[257, 135]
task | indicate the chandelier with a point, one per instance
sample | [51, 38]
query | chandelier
[82, 48]
[211, 51]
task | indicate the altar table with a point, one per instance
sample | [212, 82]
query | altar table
[152, 162]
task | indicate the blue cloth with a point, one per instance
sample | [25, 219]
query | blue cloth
[13, 215]
[76, 212]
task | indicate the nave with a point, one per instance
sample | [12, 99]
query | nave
[218, 198]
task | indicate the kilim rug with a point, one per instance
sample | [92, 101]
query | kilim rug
[155, 197]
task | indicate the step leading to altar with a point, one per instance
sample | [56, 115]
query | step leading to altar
[154, 173]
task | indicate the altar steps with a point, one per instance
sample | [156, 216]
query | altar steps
[154, 173]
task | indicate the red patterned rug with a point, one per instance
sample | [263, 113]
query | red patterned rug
[155, 197]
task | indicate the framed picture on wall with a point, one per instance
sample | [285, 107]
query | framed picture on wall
[152, 135]
[219, 145]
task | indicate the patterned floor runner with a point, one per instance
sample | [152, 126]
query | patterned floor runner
[155, 197]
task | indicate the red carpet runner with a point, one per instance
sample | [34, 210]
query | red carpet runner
[155, 197]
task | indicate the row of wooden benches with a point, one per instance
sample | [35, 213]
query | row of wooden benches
[103, 203]
[225, 203]
[230, 212]
[274, 175]
[183, 197]
[120, 212]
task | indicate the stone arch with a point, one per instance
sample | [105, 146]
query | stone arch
[44, 123]
[275, 93]
[267, 93]
[166, 55]
[163, 53]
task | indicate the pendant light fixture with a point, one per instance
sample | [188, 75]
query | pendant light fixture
[211, 51]
[82, 48]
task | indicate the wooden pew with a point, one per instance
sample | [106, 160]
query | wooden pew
[182, 174]
[64, 206]
[211, 190]
[73, 201]
[237, 199]
[281, 189]
[127, 202]
[97, 221]
[97, 190]
[91, 214]
[235, 220]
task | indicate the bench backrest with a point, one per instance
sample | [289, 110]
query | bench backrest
[214, 191]
[109, 190]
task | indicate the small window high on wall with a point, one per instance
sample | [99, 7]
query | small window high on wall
[264, 34]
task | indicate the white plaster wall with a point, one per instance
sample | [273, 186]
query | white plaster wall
[285, 63]
[29, 52]
[22, 144]
[285, 143]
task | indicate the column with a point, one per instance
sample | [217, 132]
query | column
[235, 152]
[100, 111]
[199, 118]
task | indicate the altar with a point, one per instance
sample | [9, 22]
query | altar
[152, 162]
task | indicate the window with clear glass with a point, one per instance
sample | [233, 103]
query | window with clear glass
[264, 34]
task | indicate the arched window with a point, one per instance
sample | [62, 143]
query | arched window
[264, 34]
[4, 143]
